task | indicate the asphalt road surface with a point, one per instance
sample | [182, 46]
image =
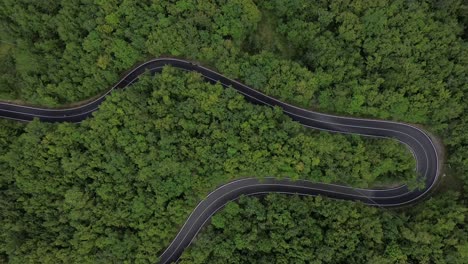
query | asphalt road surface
[418, 141]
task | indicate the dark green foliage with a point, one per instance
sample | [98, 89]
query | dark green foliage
[66, 51]
[403, 60]
[117, 187]
[285, 229]
[386, 59]
[9, 216]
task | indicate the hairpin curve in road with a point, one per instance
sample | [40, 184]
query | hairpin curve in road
[419, 142]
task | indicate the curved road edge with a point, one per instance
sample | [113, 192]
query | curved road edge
[419, 141]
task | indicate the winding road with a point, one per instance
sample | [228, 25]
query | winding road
[418, 141]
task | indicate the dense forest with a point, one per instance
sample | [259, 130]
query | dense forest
[150, 153]
[285, 229]
[117, 187]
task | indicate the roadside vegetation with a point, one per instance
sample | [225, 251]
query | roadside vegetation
[117, 187]
[287, 229]
[146, 158]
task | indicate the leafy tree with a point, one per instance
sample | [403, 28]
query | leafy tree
[281, 229]
[117, 187]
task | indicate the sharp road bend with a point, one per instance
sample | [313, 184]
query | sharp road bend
[418, 140]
